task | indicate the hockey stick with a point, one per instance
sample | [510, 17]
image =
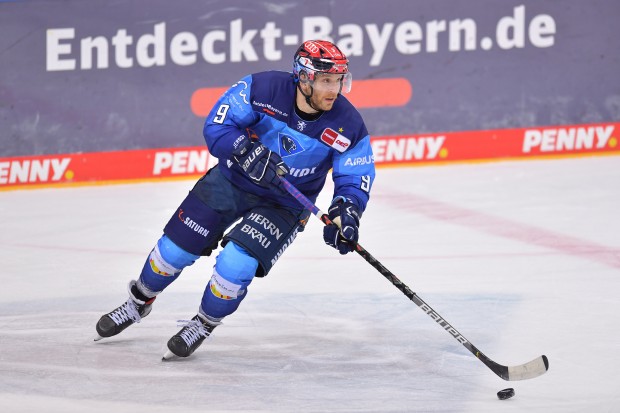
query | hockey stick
[529, 370]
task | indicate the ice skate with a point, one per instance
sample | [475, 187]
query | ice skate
[132, 311]
[190, 337]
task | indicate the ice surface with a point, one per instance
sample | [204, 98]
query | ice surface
[523, 258]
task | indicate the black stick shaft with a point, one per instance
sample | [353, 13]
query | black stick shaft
[519, 372]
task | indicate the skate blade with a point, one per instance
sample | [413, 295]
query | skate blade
[98, 337]
[169, 355]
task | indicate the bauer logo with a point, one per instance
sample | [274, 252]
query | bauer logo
[335, 140]
[446, 326]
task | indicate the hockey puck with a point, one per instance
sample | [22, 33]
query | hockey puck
[505, 394]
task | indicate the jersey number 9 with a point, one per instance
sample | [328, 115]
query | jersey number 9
[365, 183]
[220, 115]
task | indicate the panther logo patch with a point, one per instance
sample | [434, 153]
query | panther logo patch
[288, 145]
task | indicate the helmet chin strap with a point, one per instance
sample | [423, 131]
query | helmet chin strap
[308, 101]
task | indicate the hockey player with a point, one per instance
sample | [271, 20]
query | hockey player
[266, 125]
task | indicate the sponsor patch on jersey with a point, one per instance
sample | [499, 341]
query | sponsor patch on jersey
[335, 140]
[288, 145]
[242, 91]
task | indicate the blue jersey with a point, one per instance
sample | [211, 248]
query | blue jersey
[263, 104]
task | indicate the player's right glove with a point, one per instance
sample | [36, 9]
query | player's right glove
[345, 237]
[262, 165]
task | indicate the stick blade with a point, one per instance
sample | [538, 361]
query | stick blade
[529, 370]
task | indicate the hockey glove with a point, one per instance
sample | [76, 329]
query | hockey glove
[260, 164]
[345, 237]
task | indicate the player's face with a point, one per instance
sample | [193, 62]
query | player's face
[326, 88]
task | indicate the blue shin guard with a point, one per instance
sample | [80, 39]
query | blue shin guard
[163, 266]
[232, 274]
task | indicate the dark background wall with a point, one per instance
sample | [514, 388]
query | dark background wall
[525, 63]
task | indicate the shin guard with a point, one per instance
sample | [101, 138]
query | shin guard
[163, 266]
[233, 272]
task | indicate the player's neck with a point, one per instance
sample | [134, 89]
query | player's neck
[303, 109]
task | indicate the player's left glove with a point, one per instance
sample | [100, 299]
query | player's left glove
[262, 165]
[345, 237]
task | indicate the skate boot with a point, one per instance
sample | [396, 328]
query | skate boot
[190, 337]
[132, 311]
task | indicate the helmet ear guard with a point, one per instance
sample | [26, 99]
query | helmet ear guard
[304, 77]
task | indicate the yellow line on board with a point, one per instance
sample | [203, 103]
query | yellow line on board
[413, 164]
[101, 183]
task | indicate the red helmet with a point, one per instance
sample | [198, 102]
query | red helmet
[321, 56]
